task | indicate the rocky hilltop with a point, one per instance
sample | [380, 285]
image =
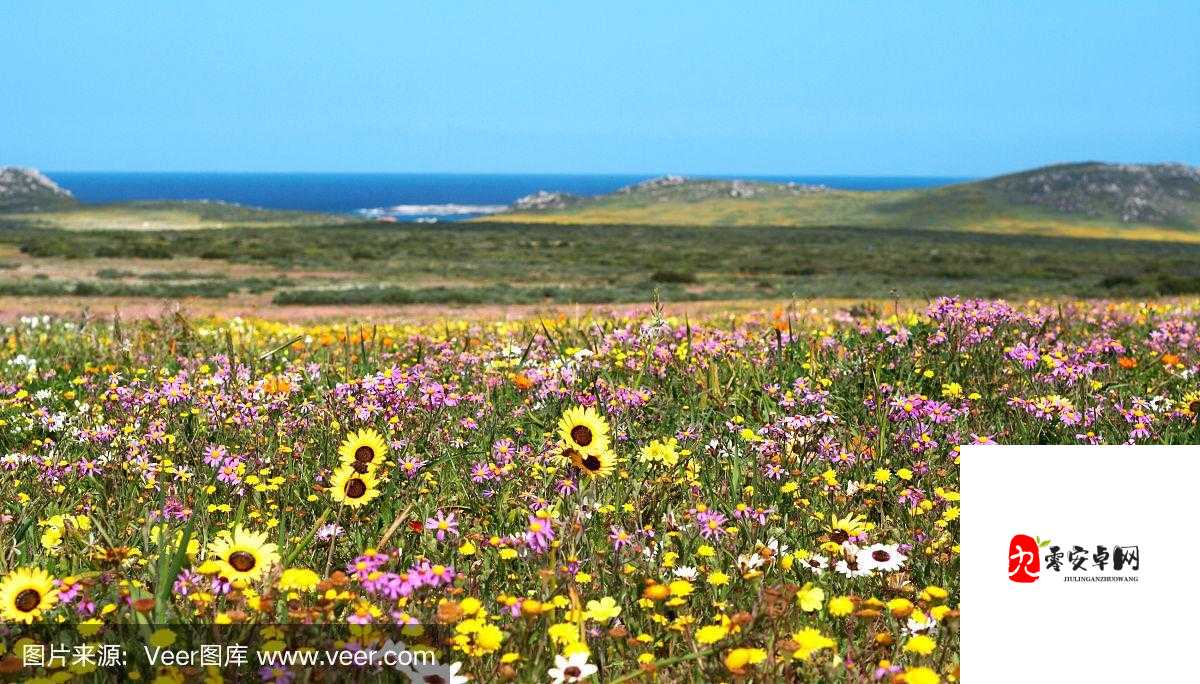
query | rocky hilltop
[28, 189]
[543, 200]
[680, 188]
[1131, 193]
[669, 188]
[1041, 200]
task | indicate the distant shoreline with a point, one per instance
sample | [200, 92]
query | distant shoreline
[405, 196]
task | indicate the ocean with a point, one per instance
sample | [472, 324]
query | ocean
[404, 196]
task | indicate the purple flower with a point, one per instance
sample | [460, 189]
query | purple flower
[366, 564]
[539, 534]
[228, 472]
[185, 583]
[442, 525]
[711, 524]
[433, 575]
[386, 584]
[214, 454]
[1026, 355]
[619, 537]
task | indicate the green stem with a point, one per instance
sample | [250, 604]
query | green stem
[669, 661]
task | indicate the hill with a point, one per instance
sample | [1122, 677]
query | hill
[1090, 199]
[29, 199]
[29, 190]
[1131, 193]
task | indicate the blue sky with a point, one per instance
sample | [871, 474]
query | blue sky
[871, 88]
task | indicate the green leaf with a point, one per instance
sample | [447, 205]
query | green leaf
[308, 537]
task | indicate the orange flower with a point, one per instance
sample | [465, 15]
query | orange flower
[778, 321]
[522, 382]
[656, 592]
[1127, 362]
[274, 384]
[1170, 359]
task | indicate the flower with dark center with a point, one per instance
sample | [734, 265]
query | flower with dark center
[363, 447]
[582, 435]
[882, 557]
[354, 484]
[242, 561]
[355, 488]
[25, 595]
[28, 600]
[247, 554]
[583, 429]
[593, 463]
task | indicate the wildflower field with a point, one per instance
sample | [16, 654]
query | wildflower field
[753, 497]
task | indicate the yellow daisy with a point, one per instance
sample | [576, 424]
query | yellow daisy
[841, 530]
[664, 451]
[583, 429]
[352, 488]
[25, 594]
[298, 579]
[246, 555]
[363, 450]
[592, 463]
[1190, 405]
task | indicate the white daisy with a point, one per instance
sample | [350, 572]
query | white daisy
[749, 561]
[881, 557]
[850, 567]
[573, 669]
[330, 531]
[686, 572]
[777, 549]
[815, 564]
[919, 623]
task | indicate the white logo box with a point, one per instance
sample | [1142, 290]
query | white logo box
[1053, 630]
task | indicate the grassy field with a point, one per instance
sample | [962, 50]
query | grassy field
[162, 215]
[466, 264]
[1086, 200]
[1074, 230]
[970, 210]
[893, 210]
[761, 497]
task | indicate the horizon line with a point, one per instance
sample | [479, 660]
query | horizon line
[650, 174]
[647, 174]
